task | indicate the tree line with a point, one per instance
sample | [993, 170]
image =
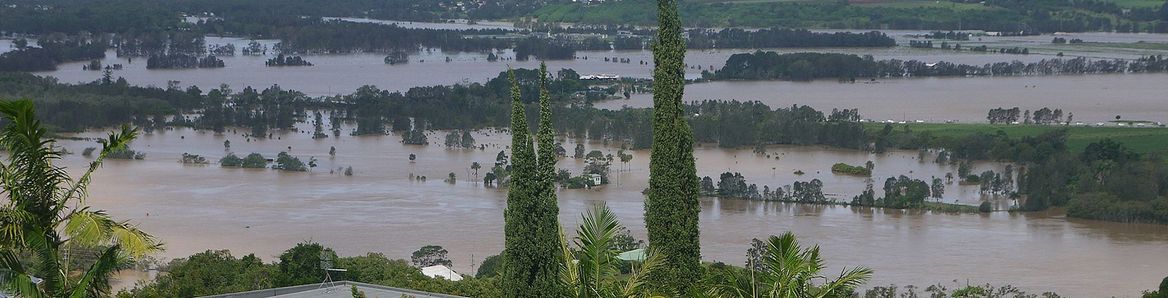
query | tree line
[1007, 16]
[50, 51]
[1106, 180]
[809, 66]
[1043, 116]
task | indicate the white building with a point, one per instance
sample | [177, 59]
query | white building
[441, 271]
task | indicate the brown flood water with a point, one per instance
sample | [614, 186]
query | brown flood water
[195, 208]
[1092, 98]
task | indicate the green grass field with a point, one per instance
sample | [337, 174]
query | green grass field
[921, 4]
[1138, 3]
[1142, 140]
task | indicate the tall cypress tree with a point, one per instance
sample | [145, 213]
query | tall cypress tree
[549, 255]
[531, 255]
[671, 209]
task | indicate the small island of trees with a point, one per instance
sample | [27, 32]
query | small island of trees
[281, 60]
[177, 61]
[843, 168]
[193, 159]
[126, 153]
[397, 57]
[459, 139]
[252, 161]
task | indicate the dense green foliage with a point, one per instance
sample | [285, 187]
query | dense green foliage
[287, 162]
[1104, 179]
[251, 161]
[783, 38]
[490, 267]
[995, 15]
[47, 224]
[143, 15]
[209, 273]
[460, 139]
[302, 264]
[735, 124]
[591, 265]
[218, 272]
[731, 124]
[781, 268]
[809, 66]
[51, 50]
[175, 61]
[963, 289]
[671, 206]
[531, 256]
[847, 169]
[903, 192]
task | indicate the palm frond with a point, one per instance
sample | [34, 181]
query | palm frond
[594, 239]
[729, 282]
[88, 228]
[44, 245]
[114, 142]
[847, 281]
[569, 273]
[46, 211]
[30, 179]
[133, 241]
[95, 282]
[15, 276]
[12, 223]
[637, 283]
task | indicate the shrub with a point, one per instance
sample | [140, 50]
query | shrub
[843, 168]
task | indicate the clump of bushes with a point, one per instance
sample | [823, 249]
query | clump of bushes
[252, 161]
[843, 168]
[125, 154]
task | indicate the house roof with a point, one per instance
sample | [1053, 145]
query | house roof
[633, 255]
[441, 271]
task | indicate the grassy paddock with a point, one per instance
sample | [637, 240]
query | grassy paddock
[1138, 3]
[1143, 140]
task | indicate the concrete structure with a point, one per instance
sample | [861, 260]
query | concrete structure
[340, 289]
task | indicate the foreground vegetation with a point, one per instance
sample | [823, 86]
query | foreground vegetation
[53, 244]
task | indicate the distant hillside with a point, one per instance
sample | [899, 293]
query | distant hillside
[1031, 16]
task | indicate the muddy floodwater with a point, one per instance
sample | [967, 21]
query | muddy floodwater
[379, 209]
[1092, 98]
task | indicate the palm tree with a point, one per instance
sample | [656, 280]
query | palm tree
[590, 269]
[45, 213]
[788, 271]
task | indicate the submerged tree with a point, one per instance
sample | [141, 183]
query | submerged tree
[531, 253]
[671, 209]
[46, 212]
